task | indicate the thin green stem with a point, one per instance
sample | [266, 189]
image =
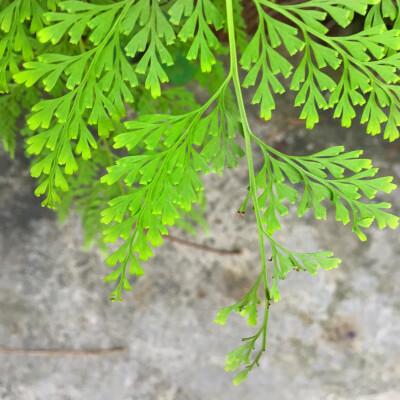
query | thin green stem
[247, 137]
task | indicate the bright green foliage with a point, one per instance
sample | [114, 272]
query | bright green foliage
[16, 42]
[200, 16]
[167, 171]
[116, 134]
[369, 62]
[342, 191]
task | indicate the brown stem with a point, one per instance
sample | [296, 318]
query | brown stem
[61, 353]
[201, 246]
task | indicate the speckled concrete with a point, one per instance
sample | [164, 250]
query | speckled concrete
[333, 336]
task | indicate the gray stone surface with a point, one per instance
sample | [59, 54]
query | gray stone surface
[333, 336]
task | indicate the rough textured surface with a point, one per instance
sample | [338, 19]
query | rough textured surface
[333, 336]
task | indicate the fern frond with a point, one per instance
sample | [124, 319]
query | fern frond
[15, 41]
[165, 182]
[368, 57]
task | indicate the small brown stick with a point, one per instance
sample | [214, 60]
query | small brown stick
[201, 246]
[61, 353]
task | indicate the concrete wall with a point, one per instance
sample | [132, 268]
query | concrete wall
[333, 336]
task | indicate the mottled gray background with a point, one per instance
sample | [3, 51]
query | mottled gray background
[333, 336]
